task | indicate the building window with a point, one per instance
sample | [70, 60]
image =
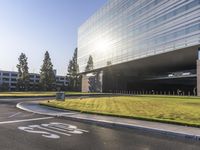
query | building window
[13, 84]
[31, 76]
[14, 75]
[5, 79]
[5, 74]
[13, 79]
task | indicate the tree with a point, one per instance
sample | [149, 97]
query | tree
[47, 75]
[94, 80]
[23, 74]
[90, 64]
[73, 69]
[70, 76]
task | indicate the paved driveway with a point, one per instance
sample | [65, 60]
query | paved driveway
[20, 130]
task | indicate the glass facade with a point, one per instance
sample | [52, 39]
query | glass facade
[125, 30]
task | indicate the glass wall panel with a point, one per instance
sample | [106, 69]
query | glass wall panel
[125, 30]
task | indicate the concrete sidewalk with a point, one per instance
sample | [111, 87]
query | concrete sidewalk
[179, 131]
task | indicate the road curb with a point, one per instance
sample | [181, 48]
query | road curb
[106, 123]
[20, 106]
[138, 127]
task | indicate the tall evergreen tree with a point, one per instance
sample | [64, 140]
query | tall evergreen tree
[73, 69]
[94, 81]
[23, 74]
[47, 75]
[90, 64]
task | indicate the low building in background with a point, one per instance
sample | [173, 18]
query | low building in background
[8, 81]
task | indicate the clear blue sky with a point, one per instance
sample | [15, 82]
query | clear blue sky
[34, 26]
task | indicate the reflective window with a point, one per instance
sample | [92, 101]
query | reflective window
[124, 30]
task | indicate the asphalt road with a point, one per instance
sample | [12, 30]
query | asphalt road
[20, 130]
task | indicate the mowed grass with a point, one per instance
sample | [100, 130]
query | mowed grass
[24, 94]
[171, 109]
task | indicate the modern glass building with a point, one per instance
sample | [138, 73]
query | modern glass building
[143, 42]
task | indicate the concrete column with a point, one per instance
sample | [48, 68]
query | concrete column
[92, 82]
[198, 78]
[100, 82]
[198, 74]
[85, 84]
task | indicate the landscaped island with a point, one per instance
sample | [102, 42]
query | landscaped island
[171, 109]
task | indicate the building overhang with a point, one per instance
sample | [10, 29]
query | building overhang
[170, 61]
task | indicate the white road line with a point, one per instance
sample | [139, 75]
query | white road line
[25, 120]
[14, 115]
[32, 114]
[38, 126]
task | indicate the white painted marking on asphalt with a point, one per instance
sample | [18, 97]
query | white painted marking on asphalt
[55, 127]
[38, 126]
[71, 129]
[26, 115]
[25, 120]
[44, 133]
[65, 127]
[14, 115]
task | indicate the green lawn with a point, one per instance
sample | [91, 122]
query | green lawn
[171, 109]
[24, 94]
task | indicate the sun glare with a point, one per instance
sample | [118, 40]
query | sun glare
[102, 45]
